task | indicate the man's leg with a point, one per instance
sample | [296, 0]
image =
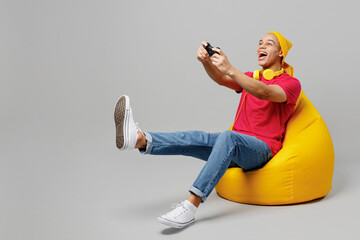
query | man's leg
[196, 144]
[246, 151]
[218, 150]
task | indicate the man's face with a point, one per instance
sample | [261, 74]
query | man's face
[269, 51]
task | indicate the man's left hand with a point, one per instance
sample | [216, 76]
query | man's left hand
[221, 62]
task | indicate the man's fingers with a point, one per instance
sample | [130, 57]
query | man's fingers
[202, 49]
[216, 56]
[203, 55]
[217, 50]
[214, 60]
[202, 52]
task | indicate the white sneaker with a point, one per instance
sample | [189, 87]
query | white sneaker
[126, 128]
[182, 216]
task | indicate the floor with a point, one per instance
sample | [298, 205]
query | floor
[108, 194]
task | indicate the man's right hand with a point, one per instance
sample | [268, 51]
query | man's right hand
[202, 54]
[213, 72]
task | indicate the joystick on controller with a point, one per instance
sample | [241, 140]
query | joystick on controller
[209, 48]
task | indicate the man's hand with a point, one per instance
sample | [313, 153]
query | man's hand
[202, 54]
[221, 62]
[213, 71]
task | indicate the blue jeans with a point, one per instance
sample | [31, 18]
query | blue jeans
[219, 150]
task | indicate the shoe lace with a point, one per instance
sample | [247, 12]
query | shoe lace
[178, 210]
[175, 205]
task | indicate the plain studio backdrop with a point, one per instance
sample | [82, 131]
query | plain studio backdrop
[64, 64]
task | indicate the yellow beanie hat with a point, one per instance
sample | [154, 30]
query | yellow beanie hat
[285, 46]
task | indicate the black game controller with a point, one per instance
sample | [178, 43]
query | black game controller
[209, 49]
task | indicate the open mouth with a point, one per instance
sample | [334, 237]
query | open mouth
[262, 55]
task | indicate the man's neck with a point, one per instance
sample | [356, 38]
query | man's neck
[276, 67]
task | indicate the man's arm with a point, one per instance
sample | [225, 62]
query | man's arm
[273, 93]
[220, 78]
[213, 72]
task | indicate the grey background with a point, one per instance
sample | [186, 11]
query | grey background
[65, 63]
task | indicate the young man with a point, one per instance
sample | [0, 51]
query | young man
[266, 103]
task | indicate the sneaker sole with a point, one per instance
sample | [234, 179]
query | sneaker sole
[120, 118]
[175, 224]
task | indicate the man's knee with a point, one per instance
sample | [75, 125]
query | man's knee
[227, 135]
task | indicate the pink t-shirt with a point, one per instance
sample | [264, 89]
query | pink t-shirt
[266, 120]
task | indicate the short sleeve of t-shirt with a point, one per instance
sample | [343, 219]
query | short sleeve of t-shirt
[291, 88]
[249, 74]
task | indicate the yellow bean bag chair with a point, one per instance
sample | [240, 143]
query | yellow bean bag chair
[301, 171]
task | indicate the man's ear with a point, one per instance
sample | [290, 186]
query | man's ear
[281, 53]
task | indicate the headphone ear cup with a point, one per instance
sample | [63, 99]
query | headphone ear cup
[256, 74]
[268, 74]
